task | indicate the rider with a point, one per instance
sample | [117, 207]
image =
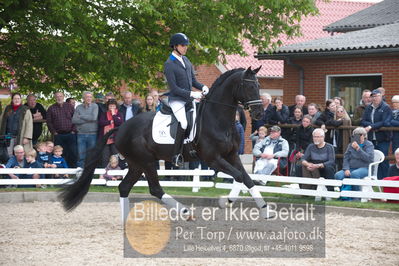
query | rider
[180, 76]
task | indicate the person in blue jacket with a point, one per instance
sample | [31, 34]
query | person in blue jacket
[240, 130]
[180, 77]
[376, 115]
[395, 122]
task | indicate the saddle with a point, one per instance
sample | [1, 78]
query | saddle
[164, 126]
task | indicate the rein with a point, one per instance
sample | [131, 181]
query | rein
[246, 105]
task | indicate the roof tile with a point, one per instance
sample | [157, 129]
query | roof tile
[312, 28]
[383, 13]
[386, 36]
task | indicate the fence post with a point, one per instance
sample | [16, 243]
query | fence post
[320, 188]
[366, 189]
[161, 165]
[196, 179]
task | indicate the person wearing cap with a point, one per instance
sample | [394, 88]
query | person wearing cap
[180, 77]
[378, 114]
[269, 150]
[358, 156]
[359, 111]
[99, 100]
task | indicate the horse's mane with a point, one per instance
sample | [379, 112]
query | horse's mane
[224, 76]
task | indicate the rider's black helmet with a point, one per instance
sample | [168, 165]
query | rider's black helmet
[178, 38]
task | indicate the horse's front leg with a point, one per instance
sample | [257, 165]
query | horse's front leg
[222, 165]
[233, 166]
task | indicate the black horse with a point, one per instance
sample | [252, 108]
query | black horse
[216, 143]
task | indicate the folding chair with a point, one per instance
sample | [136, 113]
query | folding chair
[379, 157]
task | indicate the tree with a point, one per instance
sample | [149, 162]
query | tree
[75, 45]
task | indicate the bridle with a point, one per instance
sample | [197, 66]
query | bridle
[240, 88]
[246, 104]
[249, 103]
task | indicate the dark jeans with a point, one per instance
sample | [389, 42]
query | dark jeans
[395, 141]
[384, 166]
[85, 143]
[68, 142]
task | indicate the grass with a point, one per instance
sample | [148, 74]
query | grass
[214, 192]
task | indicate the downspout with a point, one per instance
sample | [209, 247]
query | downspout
[301, 75]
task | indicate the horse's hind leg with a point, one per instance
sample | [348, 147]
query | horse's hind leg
[157, 191]
[124, 187]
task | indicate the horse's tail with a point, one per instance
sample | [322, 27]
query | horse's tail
[72, 195]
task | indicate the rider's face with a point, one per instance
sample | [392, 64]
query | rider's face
[182, 49]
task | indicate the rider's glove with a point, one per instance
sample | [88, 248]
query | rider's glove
[196, 94]
[205, 90]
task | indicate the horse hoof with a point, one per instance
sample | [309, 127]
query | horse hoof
[265, 213]
[224, 202]
[187, 216]
[79, 172]
[178, 161]
[190, 218]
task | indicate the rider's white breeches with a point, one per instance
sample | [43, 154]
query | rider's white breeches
[180, 112]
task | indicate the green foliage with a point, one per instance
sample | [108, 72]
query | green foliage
[75, 45]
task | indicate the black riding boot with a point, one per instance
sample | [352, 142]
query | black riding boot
[177, 158]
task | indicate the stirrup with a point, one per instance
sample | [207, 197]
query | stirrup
[178, 160]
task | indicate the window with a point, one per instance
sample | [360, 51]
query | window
[350, 87]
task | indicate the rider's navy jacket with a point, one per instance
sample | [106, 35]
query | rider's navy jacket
[382, 118]
[180, 79]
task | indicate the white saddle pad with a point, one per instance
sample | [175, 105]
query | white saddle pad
[161, 128]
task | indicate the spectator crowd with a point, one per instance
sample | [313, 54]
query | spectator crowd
[311, 146]
[74, 130]
[307, 149]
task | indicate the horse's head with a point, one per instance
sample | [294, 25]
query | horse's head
[248, 93]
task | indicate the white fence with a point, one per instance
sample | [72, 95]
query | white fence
[366, 184]
[196, 183]
[321, 183]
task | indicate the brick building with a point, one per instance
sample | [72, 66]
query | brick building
[366, 56]
[271, 76]
[276, 76]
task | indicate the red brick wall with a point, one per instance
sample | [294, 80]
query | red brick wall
[271, 83]
[207, 74]
[316, 70]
